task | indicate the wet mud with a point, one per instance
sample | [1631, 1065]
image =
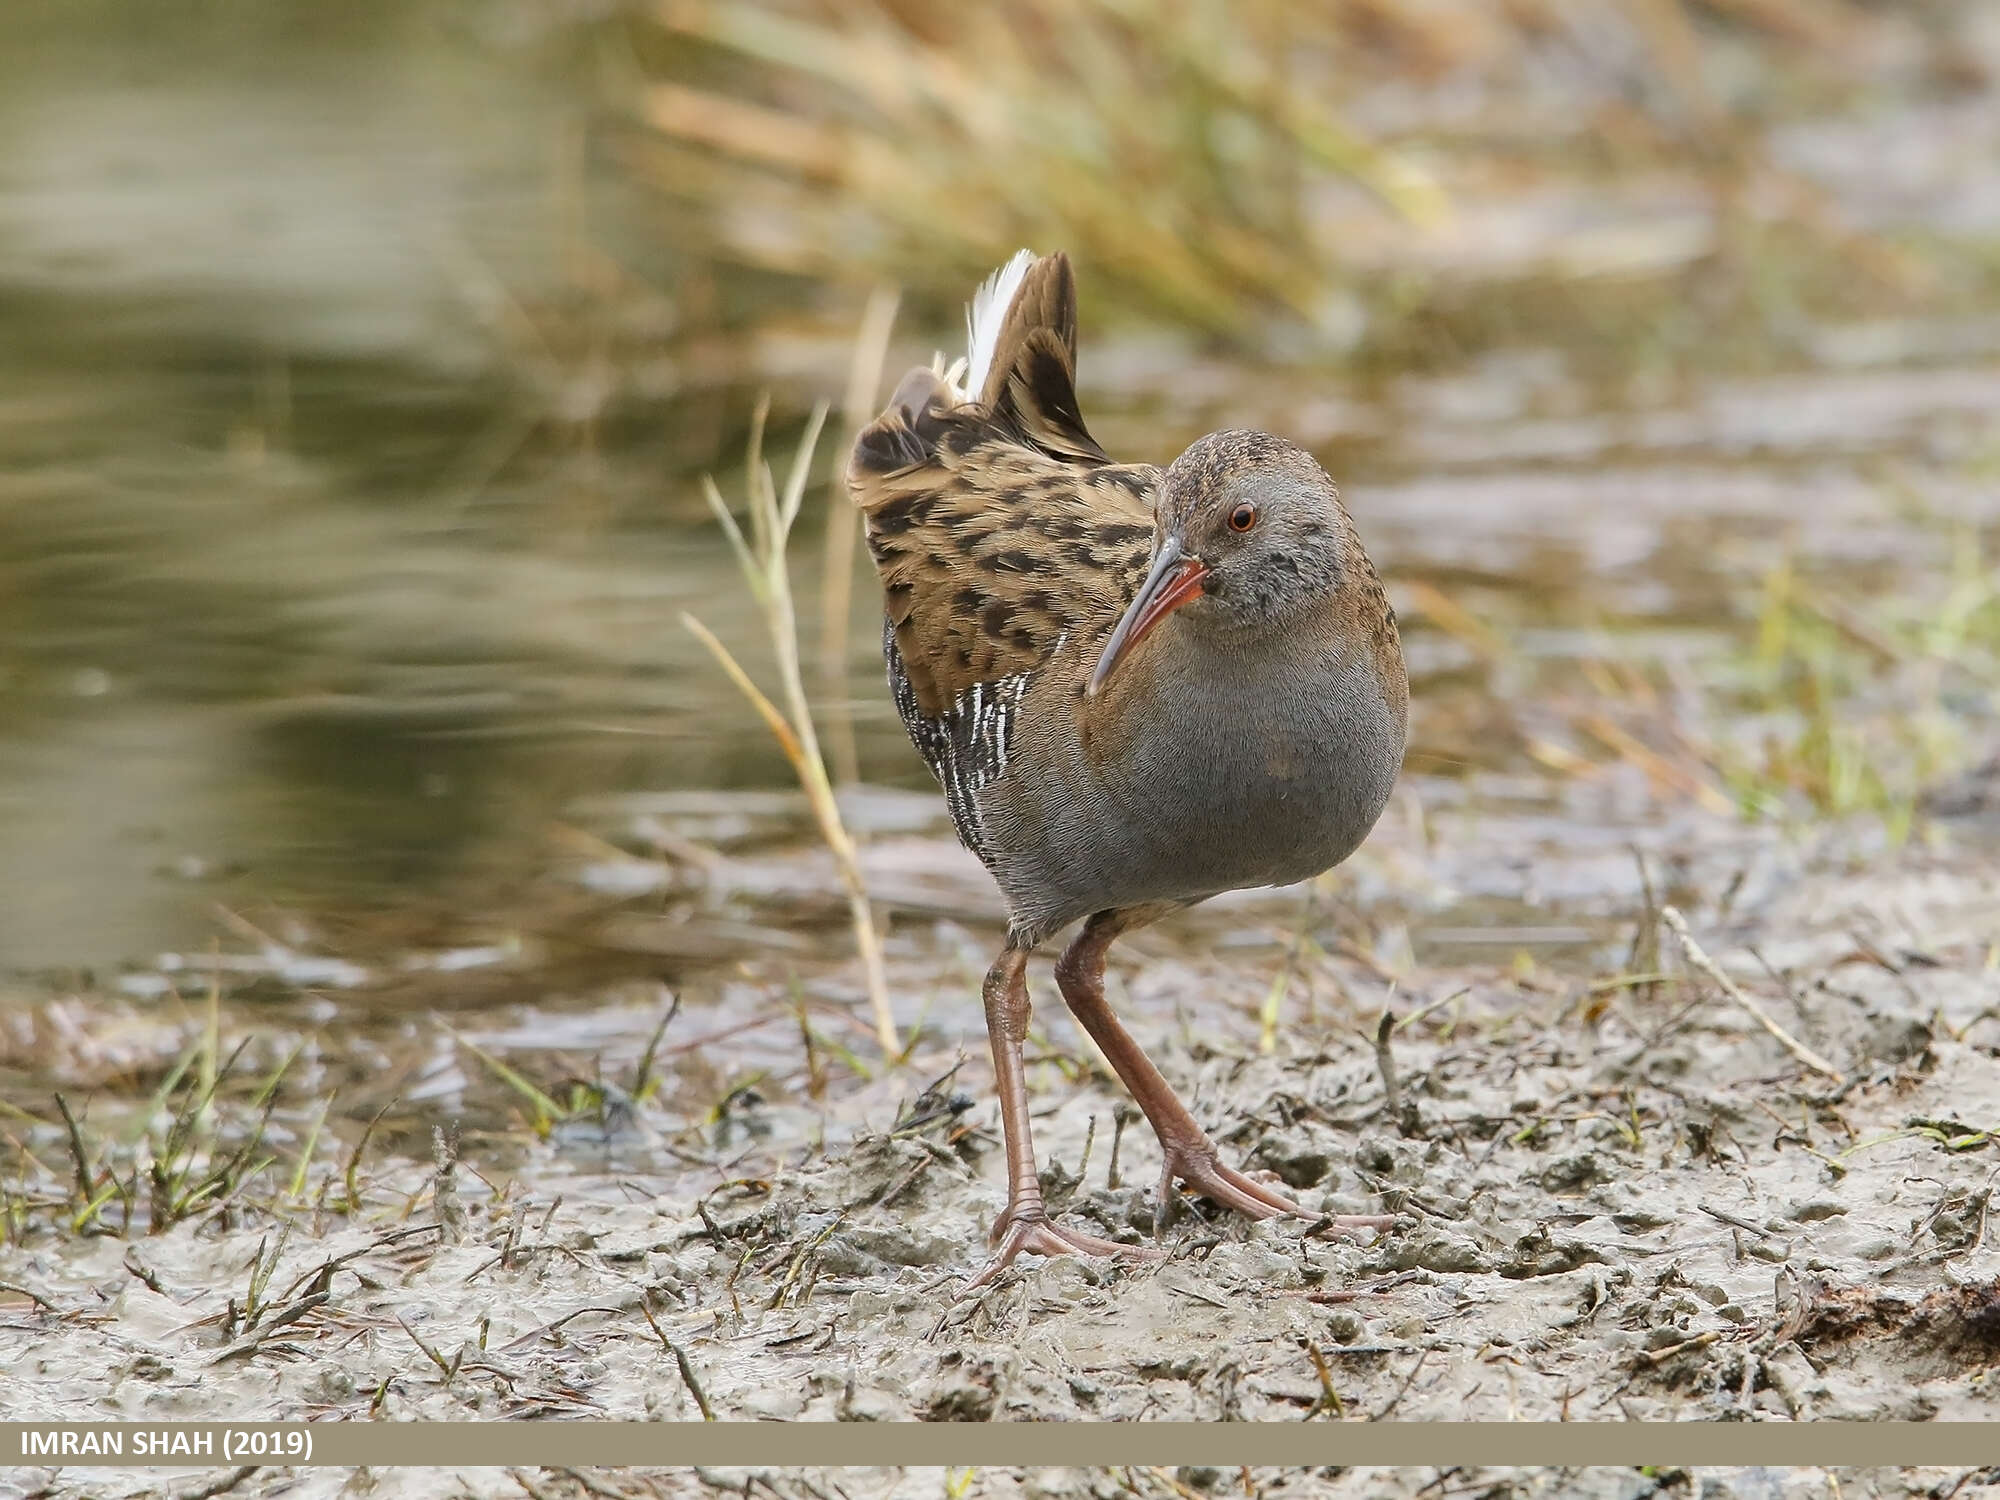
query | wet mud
[1617, 1196]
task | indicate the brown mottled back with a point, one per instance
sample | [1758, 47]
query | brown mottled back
[1001, 530]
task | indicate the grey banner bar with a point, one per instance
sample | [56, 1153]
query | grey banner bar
[752, 1444]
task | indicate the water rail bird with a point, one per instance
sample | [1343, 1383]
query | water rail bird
[1138, 687]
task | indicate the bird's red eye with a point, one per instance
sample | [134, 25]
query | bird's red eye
[1243, 518]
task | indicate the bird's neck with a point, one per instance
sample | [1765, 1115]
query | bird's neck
[1200, 665]
[1310, 632]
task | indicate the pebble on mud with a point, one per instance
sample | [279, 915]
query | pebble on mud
[1345, 1326]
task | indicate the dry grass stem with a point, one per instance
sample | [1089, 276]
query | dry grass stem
[761, 555]
[1660, 770]
[1700, 959]
[1385, 1063]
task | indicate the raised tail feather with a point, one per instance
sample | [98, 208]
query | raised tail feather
[1020, 375]
[990, 313]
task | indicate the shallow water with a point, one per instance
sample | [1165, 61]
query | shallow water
[347, 523]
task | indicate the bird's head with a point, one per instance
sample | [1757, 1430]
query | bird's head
[1249, 536]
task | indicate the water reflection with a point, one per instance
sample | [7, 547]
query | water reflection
[345, 516]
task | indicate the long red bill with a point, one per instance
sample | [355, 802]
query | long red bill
[1175, 580]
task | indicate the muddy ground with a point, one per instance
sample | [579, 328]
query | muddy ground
[1615, 1197]
[438, 1112]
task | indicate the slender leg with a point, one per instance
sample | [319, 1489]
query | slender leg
[1024, 1225]
[1190, 1155]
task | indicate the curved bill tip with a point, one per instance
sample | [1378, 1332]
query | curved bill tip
[1174, 579]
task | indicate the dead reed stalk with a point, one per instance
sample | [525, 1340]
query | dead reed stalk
[1698, 956]
[761, 555]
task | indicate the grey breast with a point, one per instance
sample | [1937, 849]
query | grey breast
[1258, 768]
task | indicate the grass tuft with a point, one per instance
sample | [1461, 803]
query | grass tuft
[1863, 707]
[196, 1148]
[761, 556]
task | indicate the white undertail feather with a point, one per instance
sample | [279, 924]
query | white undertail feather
[984, 319]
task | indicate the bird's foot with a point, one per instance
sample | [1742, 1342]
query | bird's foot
[1030, 1231]
[1197, 1164]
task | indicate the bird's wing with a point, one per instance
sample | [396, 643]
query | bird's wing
[994, 558]
[999, 527]
[1002, 532]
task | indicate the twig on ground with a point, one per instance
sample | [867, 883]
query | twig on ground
[594, 1486]
[449, 1211]
[1433, 1008]
[535, 1491]
[1734, 1222]
[32, 1295]
[1328, 1398]
[1122, 1114]
[642, 1076]
[1392, 1097]
[351, 1173]
[449, 1367]
[1697, 956]
[1403, 1389]
[1699, 1341]
[284, 1319]
[688, 1377]
[78, 1152]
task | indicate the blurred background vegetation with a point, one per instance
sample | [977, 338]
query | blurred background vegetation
[361, 360]
[1350, 178]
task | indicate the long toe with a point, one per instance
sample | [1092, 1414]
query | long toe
[1041, 1237]
[1205, 1173]
[1199, 1168]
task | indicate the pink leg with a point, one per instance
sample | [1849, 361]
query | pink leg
[1024, 1225]
[1190, 1155]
